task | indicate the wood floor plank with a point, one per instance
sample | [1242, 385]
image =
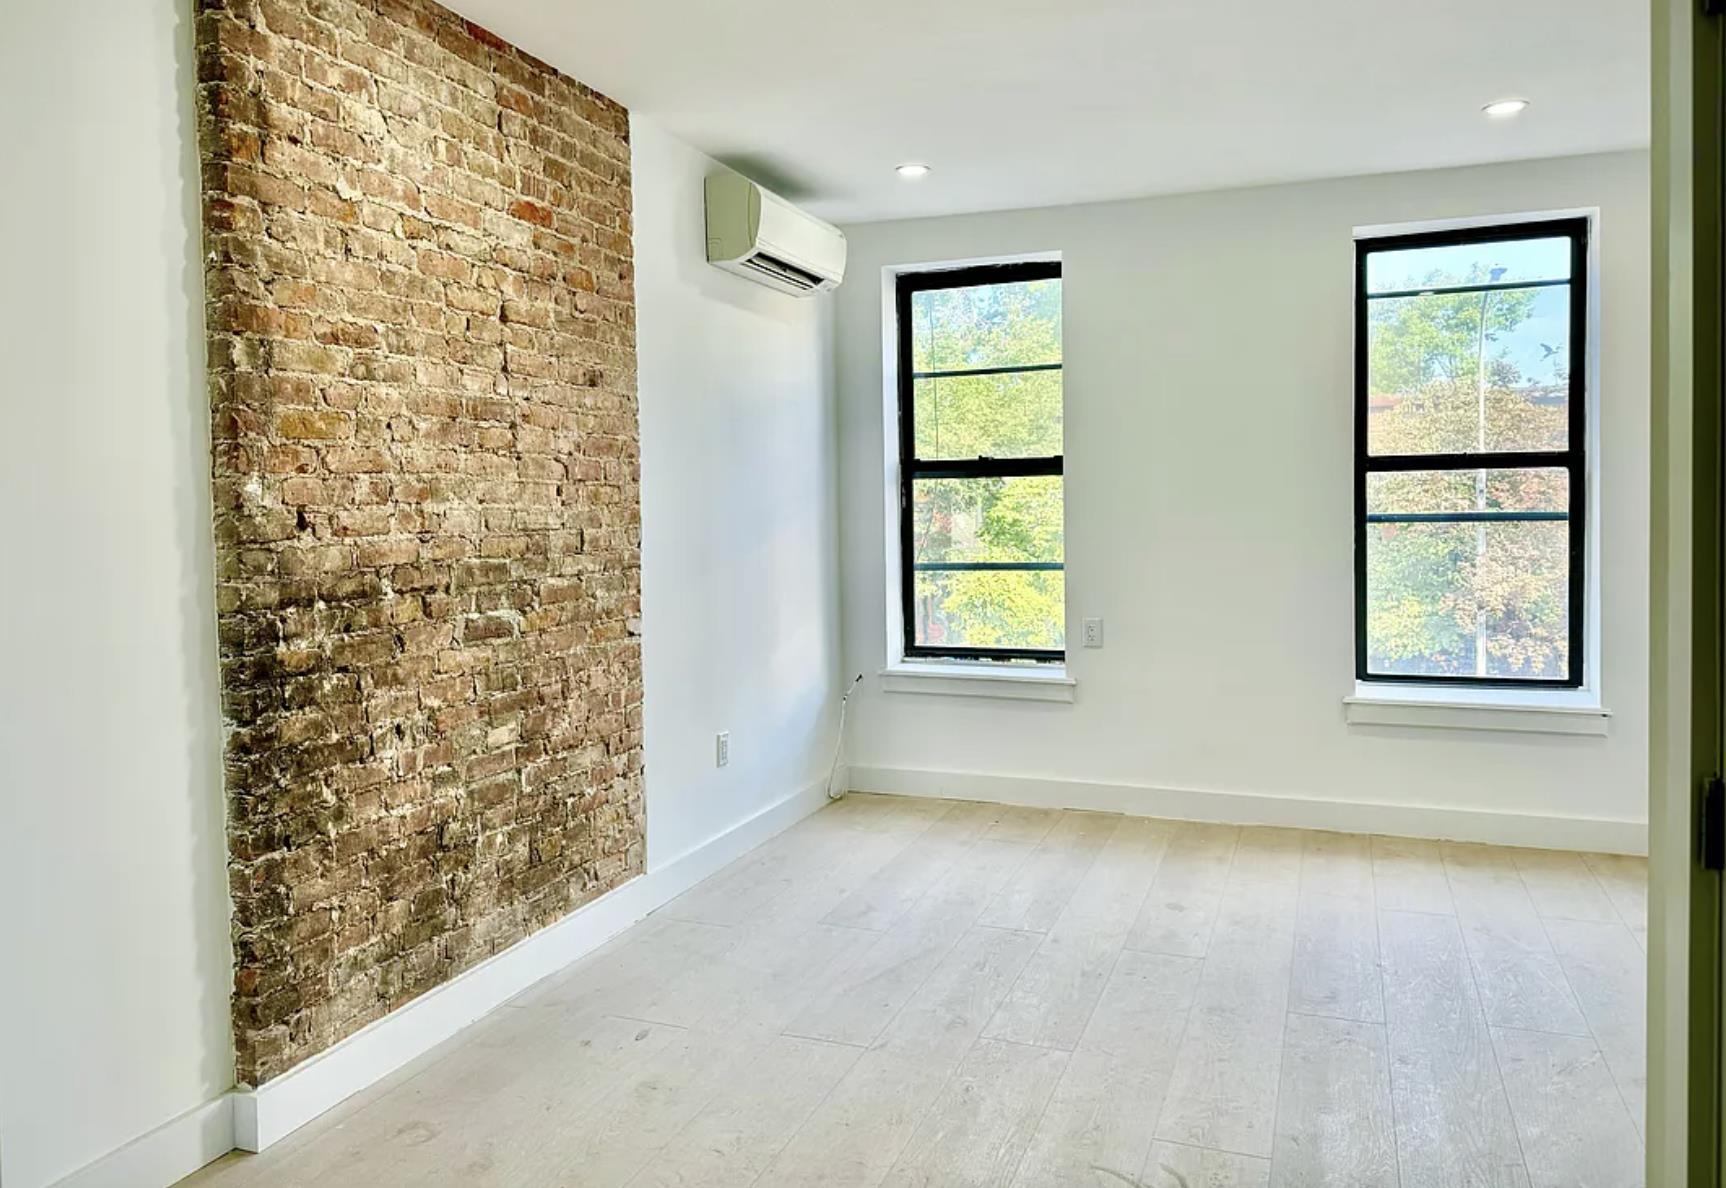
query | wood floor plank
[892, 890]
[753, 880]
[824, 857]
[977, 1130]
[1574, 1128]
[855, 1136]
[1336, 965]
[1408, 876]
[1053, 999]
[1021, 823]
[732, 1140]
[1097, 1127]
[1143, 1011]
[852, 831]
[1176, 921]
[613, 1132]
[949, 1010]
[822, 890]
[1222, 1093]
[1172, 1165]
[1521, 982]
[1099, 1122]
[1200, 852]
[1562, 886]
[1037, 894]
[862, 996]
[653, 972]
[1337, 864]
[1453, 1122]
[1334, 1126]
[1115, 887]
[768, 978]
[1267, 854]
[647, 1108]
[1180, 910]
[1608, 970]
[1625, 880]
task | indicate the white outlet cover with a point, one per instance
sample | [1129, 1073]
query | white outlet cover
[722, 748]
[1093, 633]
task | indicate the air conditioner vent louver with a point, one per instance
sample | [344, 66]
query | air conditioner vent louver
[759, 236]
[780, 270]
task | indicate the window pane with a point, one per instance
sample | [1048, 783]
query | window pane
[1437, 384]
[974, 542]
[1468, 264]
[1420, 492]
[1011, 325]
[995, 609]
[1472, 599]
[1017, 415]
[987, 519]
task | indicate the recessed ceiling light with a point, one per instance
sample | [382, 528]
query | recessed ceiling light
[912, 169]
[1499, 109]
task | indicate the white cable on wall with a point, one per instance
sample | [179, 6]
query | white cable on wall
[839, 743]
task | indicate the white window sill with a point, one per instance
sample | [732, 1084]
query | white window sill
[1019, 682]
[1539, 711]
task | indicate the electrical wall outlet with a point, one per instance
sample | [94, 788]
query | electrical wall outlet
[1093, 633]
[722, 748]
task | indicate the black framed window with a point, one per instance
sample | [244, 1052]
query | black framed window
[1471, 468]
[982, 553]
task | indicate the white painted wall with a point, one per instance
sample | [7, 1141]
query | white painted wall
[740, 600]
[1209, 502]
[114, 959]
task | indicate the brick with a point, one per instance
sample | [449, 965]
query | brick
[312, 424]
[421, 369]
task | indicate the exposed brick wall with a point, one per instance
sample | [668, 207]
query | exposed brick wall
[422, 366]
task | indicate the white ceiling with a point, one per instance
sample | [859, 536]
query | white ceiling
[1035, 102]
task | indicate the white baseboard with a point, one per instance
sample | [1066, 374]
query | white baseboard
[280, 1106]
[1241, 808]
[165, 1155]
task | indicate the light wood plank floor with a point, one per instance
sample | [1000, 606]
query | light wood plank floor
[908, 992]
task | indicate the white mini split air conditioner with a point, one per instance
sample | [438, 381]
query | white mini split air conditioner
[757, 234]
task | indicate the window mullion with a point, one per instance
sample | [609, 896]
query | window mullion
[932, 468]
[1506, 460]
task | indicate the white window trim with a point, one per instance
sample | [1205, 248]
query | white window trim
[1013, 680]
[1536, 711]
[1479, 707]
